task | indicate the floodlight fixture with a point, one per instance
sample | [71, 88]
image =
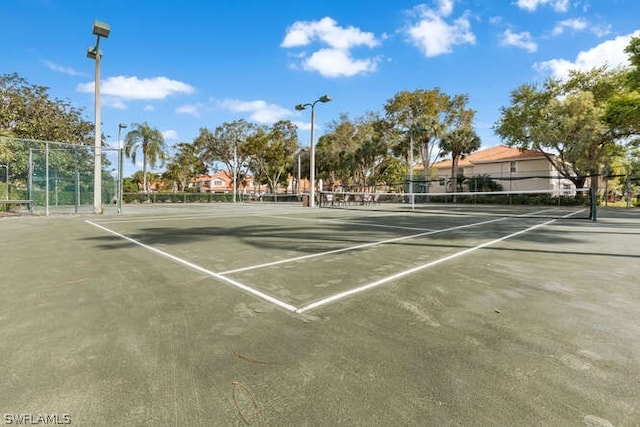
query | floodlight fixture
[101, 29]
[92, 52]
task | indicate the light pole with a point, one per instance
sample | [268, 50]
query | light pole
[312, 153]
[298, 181]
[120, 159]
[6, 179]
[100, 29]
[413, 200]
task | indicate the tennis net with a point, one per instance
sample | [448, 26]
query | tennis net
[529, 203]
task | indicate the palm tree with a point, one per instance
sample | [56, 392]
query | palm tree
[458, 142]
[151, 142]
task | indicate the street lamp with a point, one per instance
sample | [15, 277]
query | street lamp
[299, 188]
[120, 158]
[100, 29]
[312, 153]
[413, 199]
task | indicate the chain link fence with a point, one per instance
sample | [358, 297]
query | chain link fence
[43, 177]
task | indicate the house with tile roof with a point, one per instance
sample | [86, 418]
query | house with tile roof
[513, 169]
[220, 182]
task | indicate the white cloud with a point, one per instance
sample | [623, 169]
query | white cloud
[445, 7]
[170, 134]
[149, 107]
[601, 30]
[577, 24]
[326, 30]
[61, 69]
[113, 102]
[133, 88]
[531, 5]
[433, 35]
[303, 125]
[521, 40]
[259, 111]
[190, 109]
[580, 24]
[336, 60]
[338, 63]
[610, 52]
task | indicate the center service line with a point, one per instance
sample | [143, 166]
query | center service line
[353, 248]
[353, 291]
[232, 282]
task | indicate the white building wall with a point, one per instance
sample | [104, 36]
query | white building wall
[540, 174]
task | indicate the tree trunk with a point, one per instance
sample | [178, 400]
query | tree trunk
[454, 175]
[145, 187]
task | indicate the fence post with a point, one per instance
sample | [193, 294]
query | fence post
[30, 180]
[46, 183]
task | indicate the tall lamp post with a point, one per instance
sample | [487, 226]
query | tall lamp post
[120, 159]
[312, 153]
[100, 29]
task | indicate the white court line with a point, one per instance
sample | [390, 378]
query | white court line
[353, 248]
[232, 282]
[178, 217]
[363, 288]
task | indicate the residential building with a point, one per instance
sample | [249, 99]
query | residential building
[220, 182]
[513, 169]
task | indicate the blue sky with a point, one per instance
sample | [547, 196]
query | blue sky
[183, 65]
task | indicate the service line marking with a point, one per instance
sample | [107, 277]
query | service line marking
[340, 221]
[382, 281]
[356, 247]
[193, 266]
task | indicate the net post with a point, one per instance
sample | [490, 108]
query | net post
[593, 215]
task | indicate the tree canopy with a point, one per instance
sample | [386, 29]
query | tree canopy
[29, 112]
[184, 165]
[272, 150]
[424, 117]
[623, 111]
[564, 120]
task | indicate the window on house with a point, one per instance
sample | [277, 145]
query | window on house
[217, 183]
[512, 167]
[441, 182]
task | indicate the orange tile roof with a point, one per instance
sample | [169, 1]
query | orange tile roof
[499, 153]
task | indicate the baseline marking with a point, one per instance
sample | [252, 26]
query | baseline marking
[353, 248]
[178, 217]
[232, 282]
[377, 283]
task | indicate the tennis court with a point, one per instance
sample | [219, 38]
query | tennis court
[275, 314]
